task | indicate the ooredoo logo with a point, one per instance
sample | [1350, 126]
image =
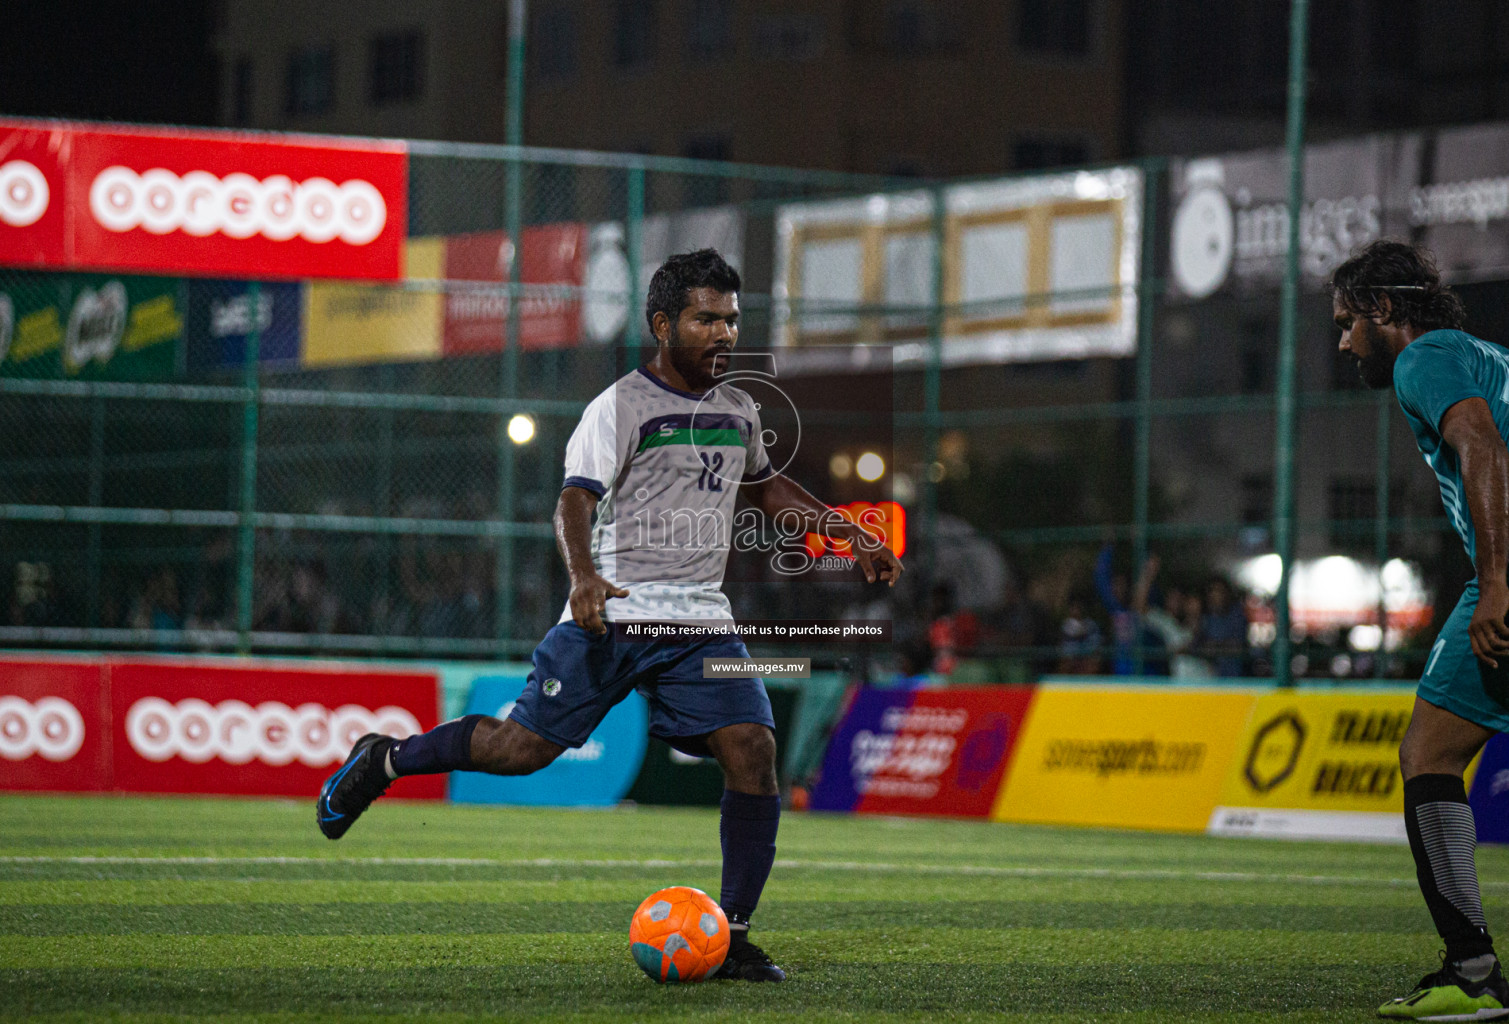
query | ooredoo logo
[52, 728]
[238, 205]
[271, 732]
[23, 193]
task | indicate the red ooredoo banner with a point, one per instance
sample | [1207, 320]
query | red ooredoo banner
[196, 728]
[54, 725]
[214, 203]
[31, 194]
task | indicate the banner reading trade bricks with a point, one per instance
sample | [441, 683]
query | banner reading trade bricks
[1320, 766]
[1123, 757]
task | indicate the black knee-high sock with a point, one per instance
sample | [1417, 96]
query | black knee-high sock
[445, 748]
[1443, 837]
[747, 828]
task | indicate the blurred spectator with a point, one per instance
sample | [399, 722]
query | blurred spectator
[950, 632]
[911, 667]
[1173, 616]
[1079, 640]
[312, 608]
[157, 606]
[1111, 587]
[211, 603]
[1023, 622]
[34, 598]
[1223, 630]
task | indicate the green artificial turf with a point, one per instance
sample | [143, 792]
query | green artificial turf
[232, 911]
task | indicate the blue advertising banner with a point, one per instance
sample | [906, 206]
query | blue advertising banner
[1490, 792]
[597, 774]
[844, 768]
[220, 318]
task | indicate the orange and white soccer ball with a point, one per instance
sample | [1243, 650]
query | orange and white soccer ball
[678, 935]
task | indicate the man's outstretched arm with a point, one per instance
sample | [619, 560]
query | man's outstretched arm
[1469, 428]
[778, 494]
[573, 537]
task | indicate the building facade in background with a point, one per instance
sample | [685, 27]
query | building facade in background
[906, 87]
[1207, 77]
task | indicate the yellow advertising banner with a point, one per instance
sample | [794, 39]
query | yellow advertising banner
[1316, 764]
[354, 323]
[1124, 756]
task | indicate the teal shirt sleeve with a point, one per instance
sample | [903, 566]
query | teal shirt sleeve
[1434, 373]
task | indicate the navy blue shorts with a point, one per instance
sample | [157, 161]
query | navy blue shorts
[578, 676]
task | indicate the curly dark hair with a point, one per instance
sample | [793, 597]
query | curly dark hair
[704, 268]
[1405, 273]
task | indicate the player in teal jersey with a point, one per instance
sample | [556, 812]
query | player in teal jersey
[1404, 329]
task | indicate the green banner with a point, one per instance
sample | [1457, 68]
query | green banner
[90, 326]
[671, 777]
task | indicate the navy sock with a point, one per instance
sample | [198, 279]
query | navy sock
[747, 828]
[445, 748]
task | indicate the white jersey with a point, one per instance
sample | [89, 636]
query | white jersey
[666, 465]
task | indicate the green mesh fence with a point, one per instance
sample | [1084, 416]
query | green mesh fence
[356, 492]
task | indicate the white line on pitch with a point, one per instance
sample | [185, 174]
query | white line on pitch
[859, 867]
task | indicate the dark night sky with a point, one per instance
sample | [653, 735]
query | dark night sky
[109, 60]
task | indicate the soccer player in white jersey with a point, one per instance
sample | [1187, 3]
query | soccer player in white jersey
[1404, 329]
[643, 523]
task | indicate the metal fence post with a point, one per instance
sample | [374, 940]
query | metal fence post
[92, 568]
[1284, 397]
[1142, 454]
[513, 228]
[508, 387]
[634, 249]
[382, 499]
[1380, 521]
[932, 391]
[246, 563]
[513, 128]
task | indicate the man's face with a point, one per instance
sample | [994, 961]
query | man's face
[701, 337]
[1365, 341]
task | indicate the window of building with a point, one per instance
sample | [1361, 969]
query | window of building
[903, 167]
[309, 85]
[1353, 502]
[917, 28]
[1032, 153]
[1258, 356]
[1255, 362]
[552, 43]
[705, 189]
[241, 92]
[1059, 28]
[396, 67]
[552, 193]
[710, 28]
[795, 37]
[634, 33]
[1257, 498]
